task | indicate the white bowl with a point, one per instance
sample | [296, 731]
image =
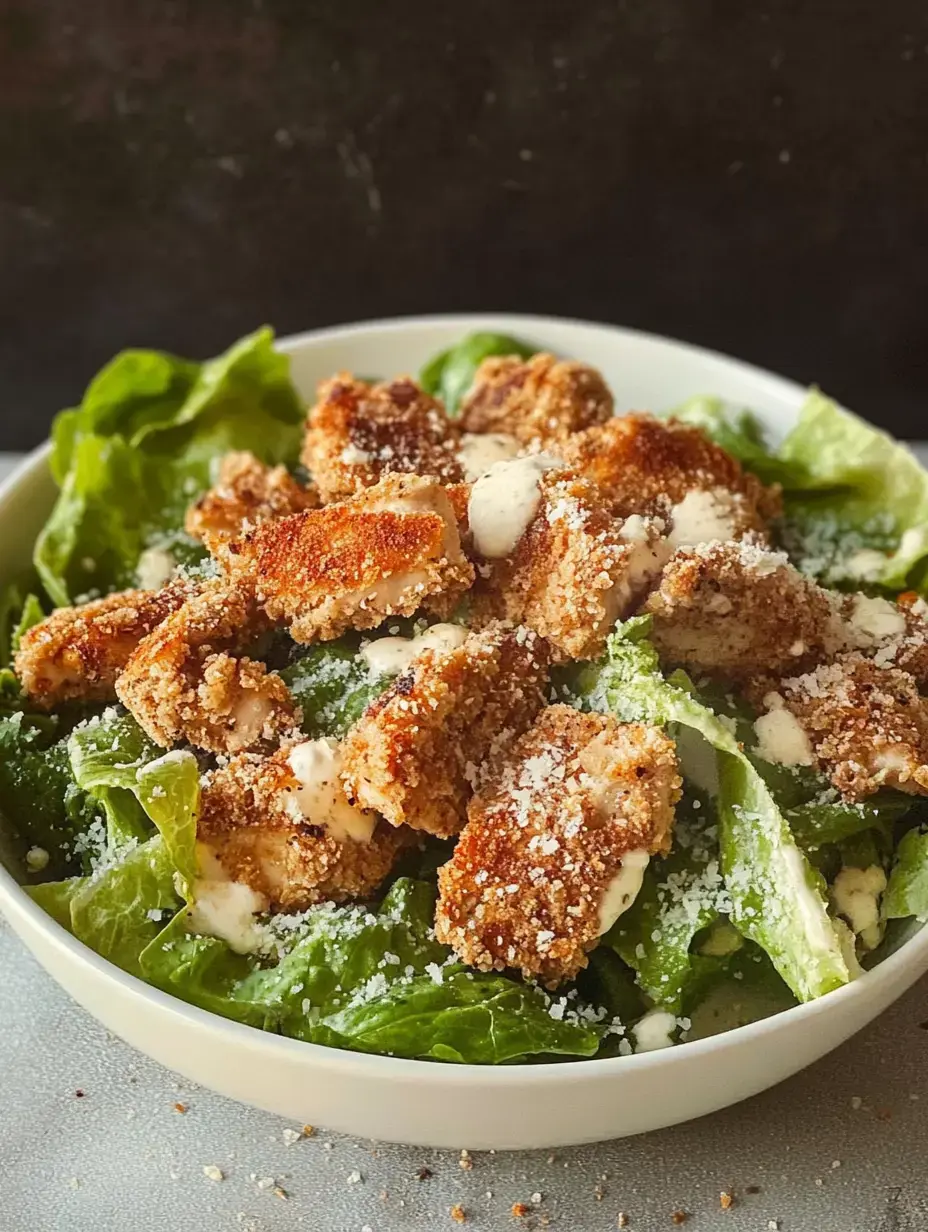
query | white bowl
[444, 1105]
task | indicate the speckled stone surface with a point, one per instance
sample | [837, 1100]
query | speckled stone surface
[749, 176]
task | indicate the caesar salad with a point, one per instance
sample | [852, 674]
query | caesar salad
[469, 718]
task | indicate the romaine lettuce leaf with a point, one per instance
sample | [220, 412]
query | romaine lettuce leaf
[333, 686]
[739, 432]
[907, 892]
[374, 982]
[777, 897]
[140, 448]
[450, 374]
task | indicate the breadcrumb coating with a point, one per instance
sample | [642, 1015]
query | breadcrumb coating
[868, 725]
[647, 465]
[252, 822]
[575, 571]
[892, 634]
[77, 652]
[183, 682]
[416, 754]
[246, 494]
[384, 552]
[546, 836]
[739, 611]
[541, 399]
[358, 432]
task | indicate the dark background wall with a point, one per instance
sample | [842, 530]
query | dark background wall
[749, 176]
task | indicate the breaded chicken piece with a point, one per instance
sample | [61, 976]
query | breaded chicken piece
[540, 399]
[739, 611]
[358, 432]
[246, 494]
[183, 681]
[283, 826]
[77, 652]
[575, 569]
[556, 843]
[867, 726]
[416, 754]
[384, 552]
[892, 634]
[649, 465]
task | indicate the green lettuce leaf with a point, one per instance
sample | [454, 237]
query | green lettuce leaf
[777, 897]
[450, 374]
[907, 892]
[140, 448]
[374, 982]
[739, 432]
[333, 686]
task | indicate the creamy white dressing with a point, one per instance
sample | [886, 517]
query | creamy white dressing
[875, 620]
[155, 567]
[504, 501]
[389, 656]
[223, 908]
[478, 451]
[702, 517]
[622, 890]
[856, 895]
[781, 738]
[654, 1031]
[321, 797]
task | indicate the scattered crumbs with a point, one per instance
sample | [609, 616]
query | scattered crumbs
[278, 1192]
[679, 1217]
[535, 1199]
[75, 1182]
[773, 1225]
[598, 1191]
[180, 1107]
[726, 1199]
[78, 1094]
[383, 1195]
[551, 1159]
[621, 1220]
[213, 1173]
[353, 1177]
[327, 1146]
[856, 1103]
[465, 1162]
[425, 1174]
[519, 1210]
[457, 1213]
[819, 1182]
[308, 1131]
[290, 1136]
[264, 1182]
[836, 1163]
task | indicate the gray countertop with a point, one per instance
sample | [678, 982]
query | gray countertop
[92, 1139]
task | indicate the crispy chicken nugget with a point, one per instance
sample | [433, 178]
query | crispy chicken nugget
[556, 843]
[77, 652]
[416, 754]
[540, 399]
[358, 432]
[382, 553]
[650, 465]
[740, 611]
[247, 493]
[575, 570]
[184, 683]
[283, 826]
[866, 726]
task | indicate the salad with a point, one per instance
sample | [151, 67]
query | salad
[467, 718]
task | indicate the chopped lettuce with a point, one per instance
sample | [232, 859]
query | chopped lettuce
[20, 609]
[372, 982]
[855, 500]
[333, 686]
[682, 895]
[450, 374]
[140, 447]
[777, 897]
[907, 892]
